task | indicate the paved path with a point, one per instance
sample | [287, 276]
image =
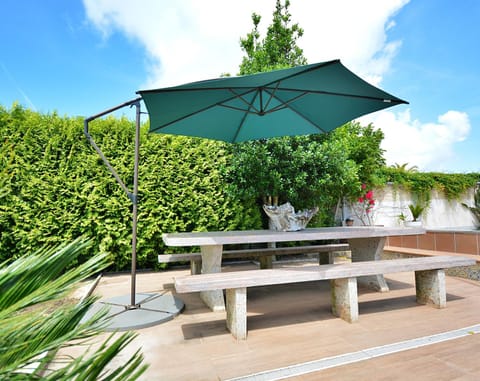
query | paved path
[291, 325]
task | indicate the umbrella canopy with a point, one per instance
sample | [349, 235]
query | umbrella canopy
[302, 100]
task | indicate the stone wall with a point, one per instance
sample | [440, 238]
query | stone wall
[441, 213]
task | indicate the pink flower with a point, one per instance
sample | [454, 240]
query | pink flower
[366, 205]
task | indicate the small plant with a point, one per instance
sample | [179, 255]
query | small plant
[416, 210]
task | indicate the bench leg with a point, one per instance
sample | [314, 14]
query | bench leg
[237, 312]
[326, 258]
[430, 288]
[266, 262]
[345, 299]
[195, 266]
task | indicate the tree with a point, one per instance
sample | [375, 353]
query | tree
[363, 146]
[274, 167]
[279, 49]
[404, 167]
[306, 171]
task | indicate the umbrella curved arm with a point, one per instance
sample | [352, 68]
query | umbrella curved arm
[134, 102]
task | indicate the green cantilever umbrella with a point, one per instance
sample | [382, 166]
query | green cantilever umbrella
[302, 100]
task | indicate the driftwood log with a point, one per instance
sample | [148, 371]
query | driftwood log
[284, 218]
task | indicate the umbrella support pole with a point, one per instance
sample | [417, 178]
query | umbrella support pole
[130, 314]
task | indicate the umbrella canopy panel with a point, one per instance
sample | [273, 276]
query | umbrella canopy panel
[302, 100]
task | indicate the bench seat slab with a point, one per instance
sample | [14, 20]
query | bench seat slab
[237, 312]
[345, 299]
[430, 288]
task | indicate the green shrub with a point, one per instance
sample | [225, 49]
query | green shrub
[58, 188]
[420, 184]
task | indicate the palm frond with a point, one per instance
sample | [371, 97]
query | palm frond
[36, 321]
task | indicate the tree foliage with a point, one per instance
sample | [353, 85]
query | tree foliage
[307, 171]
[363, 147]
[278, 50]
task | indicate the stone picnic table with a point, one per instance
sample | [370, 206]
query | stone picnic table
[366, 244]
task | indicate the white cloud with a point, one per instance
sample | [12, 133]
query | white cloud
[193, 40]
[429, 146]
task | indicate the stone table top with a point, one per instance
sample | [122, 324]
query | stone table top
[261, 236]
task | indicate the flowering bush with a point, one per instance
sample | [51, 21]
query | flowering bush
[364, 208]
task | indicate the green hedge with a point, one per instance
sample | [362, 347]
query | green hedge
[55, 187]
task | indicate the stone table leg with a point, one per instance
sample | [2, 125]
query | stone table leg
[369, 249]
[212, 263]
[267, 261]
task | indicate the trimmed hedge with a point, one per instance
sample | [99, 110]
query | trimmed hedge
[57, 188]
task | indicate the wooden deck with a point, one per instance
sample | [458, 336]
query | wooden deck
[292, 324]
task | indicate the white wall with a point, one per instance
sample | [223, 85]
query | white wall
[441, 213]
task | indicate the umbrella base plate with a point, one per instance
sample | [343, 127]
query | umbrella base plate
[149, 309]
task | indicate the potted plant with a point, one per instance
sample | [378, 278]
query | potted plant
[416, 210]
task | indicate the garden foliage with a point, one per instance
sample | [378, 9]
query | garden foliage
[58, 188]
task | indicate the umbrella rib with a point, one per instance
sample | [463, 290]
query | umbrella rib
[283, 104]
[271, 94]
[287, 105]
[235, 136]
[240, 96]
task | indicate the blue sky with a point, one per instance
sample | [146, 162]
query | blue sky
[82, 57]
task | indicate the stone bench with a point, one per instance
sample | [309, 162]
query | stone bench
[429, 283]
[196, 258]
